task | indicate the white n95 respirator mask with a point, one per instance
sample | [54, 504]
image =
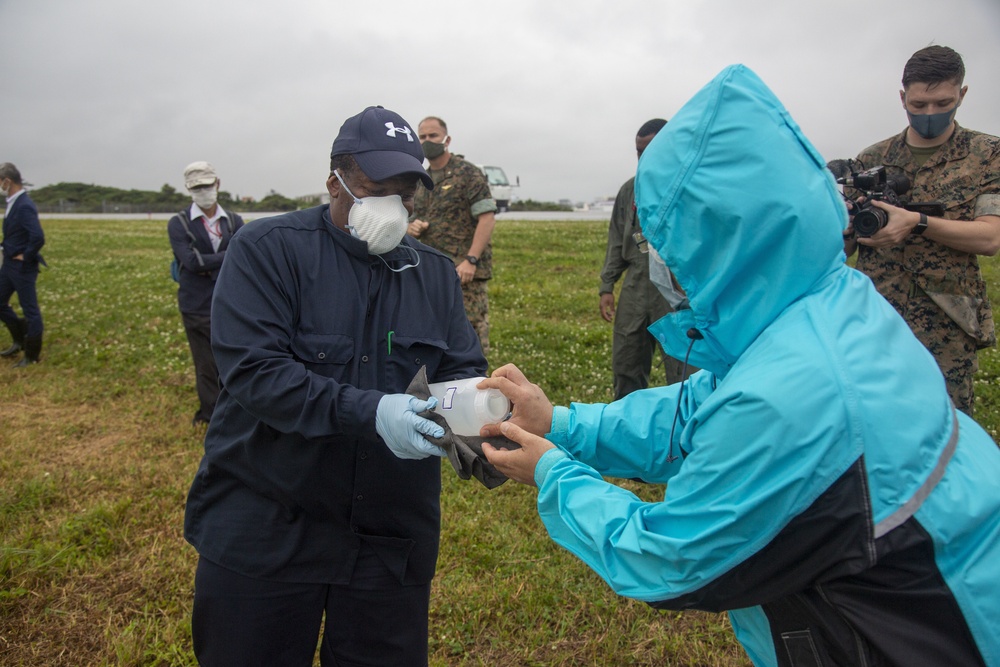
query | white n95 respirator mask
[379, 221]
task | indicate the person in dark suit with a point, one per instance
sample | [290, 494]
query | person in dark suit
[317, 503]
[199, 237]
[22, 240]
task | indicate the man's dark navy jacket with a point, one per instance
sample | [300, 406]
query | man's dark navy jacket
[199, 270]
[22, 233]
[309, 332]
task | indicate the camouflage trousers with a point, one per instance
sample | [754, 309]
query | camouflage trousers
[952, 348]
[477, 306]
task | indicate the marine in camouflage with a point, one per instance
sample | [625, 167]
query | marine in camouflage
[477, 308]
[939, 291]
[452, 209]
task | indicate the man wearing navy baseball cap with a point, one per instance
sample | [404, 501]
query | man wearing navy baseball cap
[383, 145]
[318, 494]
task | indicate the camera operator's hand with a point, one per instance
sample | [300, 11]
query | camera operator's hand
[900, 225]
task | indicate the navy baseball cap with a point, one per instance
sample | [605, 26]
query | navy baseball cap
[383, 145]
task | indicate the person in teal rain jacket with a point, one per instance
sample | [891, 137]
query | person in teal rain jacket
[820, 485]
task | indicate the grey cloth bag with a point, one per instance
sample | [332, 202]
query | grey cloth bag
[465, 453]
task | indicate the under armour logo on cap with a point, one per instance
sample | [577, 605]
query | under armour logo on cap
[373, 138]
[403, 130]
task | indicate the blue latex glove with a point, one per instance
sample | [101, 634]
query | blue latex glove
[396, 420]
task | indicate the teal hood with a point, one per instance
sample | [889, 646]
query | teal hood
[819, 428]
[727, 193]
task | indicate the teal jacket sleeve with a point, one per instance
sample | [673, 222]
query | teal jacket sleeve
[729, 491]
[631, 437]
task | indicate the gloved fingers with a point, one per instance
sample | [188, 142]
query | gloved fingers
[426, 447]
[422, 425]
[426, 426]
[407, 455]
[418, 405]
[403, 430]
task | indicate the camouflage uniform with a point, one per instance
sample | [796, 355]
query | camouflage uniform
[940, 291]
[639, 302]
[461, 194]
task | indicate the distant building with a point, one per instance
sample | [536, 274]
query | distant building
[602, 204]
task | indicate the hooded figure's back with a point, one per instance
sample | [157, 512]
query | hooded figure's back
[825, 488]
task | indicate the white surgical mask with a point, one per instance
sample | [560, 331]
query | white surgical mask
[4, 189]
[205, 198]
[379, 221]
[664, 281]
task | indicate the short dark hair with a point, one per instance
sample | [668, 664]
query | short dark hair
[8, 170]
[651, 127]
[345, 162]
[934, 64]
[444, 125]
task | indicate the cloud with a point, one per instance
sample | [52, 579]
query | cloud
[125, 94]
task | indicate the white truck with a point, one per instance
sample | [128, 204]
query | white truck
[500, 188]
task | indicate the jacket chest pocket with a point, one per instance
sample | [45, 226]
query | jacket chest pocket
[407, 354]
[328, 355]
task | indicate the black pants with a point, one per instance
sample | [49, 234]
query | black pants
[206, 375]
[241, 621]
[16, 276]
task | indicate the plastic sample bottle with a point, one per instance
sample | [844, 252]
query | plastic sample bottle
[467, 409]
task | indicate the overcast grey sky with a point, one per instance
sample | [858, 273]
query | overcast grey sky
[125, 93]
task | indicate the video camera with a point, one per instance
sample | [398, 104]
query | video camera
[875, 185]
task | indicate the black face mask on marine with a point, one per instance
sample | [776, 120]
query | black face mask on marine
[433, 149]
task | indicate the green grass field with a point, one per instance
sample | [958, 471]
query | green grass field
[97, 452]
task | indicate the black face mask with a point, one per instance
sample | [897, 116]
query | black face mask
[931, 125]
[433, 150]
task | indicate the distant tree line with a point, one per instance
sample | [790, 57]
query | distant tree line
[532, 205]
[86, 198]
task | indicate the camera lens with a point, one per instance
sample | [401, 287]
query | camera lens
[869, 220]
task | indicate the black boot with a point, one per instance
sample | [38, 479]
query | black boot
[17, 331]
[32, 348]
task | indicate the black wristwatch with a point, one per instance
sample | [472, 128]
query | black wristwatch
[472, 259]
[921, 226]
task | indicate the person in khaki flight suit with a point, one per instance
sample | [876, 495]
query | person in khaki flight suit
[639, 302]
